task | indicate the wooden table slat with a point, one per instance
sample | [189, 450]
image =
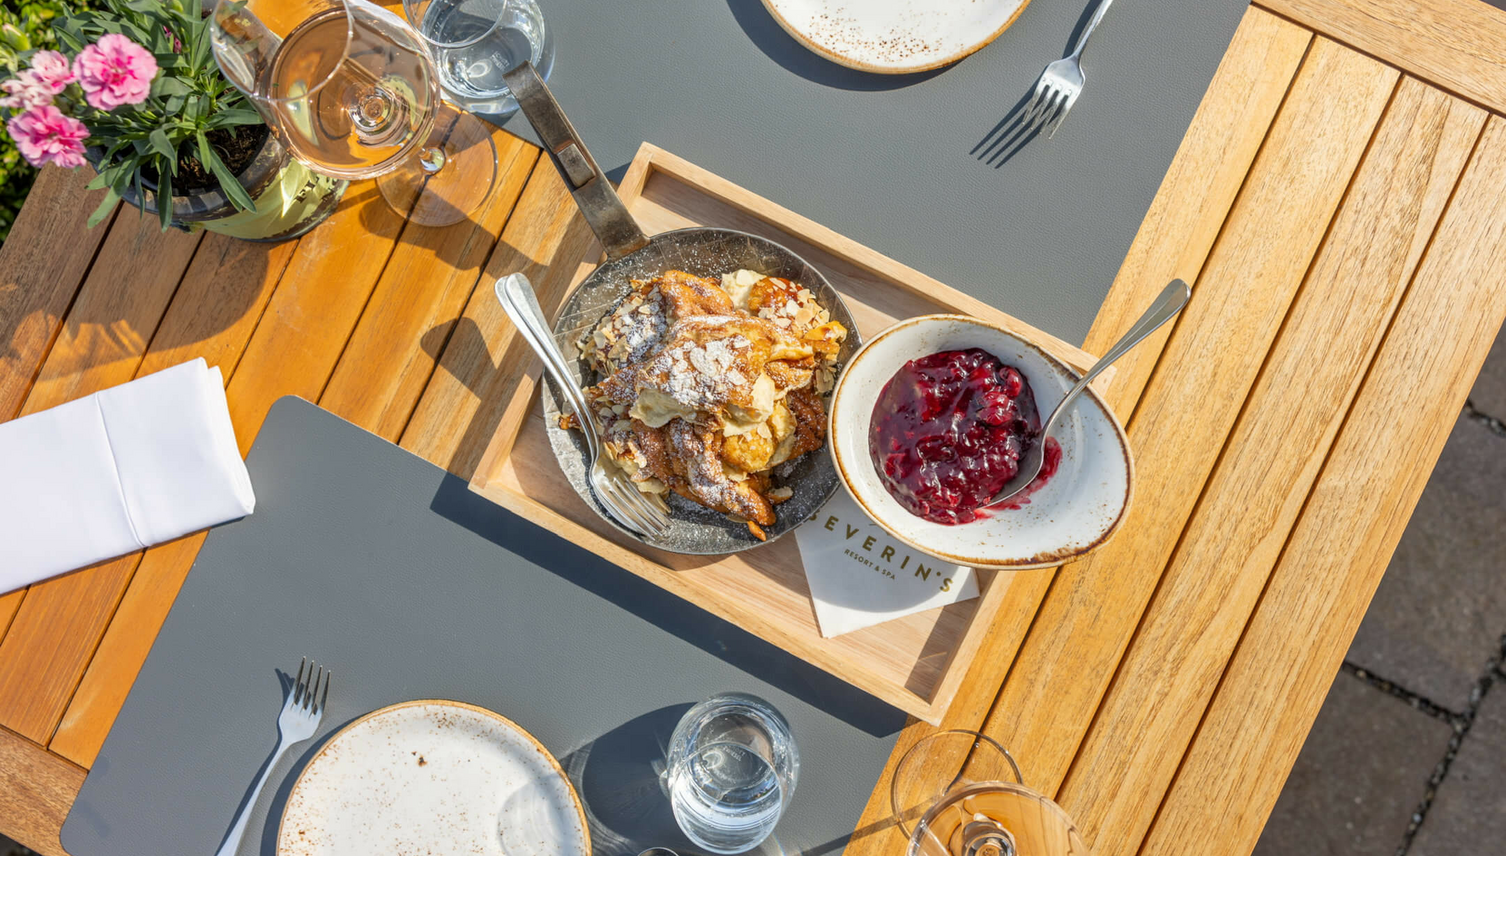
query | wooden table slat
[1179, 231]
[428, 280]
[42, 266]
[1352, 520]
[36, 790]
[461, 407]
[417, 265]
[306, 324]
[1455, 44]
[216, 309]
[1181, 424]
[1273, 456]
[102, 343]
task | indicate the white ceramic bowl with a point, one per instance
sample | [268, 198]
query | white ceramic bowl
[1077, 510]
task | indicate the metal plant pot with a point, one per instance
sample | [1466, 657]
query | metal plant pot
[290, 199]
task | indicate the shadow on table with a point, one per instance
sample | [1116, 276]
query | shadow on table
[430, 221]
[712, 634]
[226, 278]
[619, 777]
[777, 44]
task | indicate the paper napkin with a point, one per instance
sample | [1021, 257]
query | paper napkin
[860, 576]
[117, 471]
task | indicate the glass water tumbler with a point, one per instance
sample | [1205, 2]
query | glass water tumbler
[731, 768]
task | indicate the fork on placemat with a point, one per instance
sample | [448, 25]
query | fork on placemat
[296, 723]
[1055, 92]
[1061, 83]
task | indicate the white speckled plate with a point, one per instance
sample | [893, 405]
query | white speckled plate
[433, 777]
[894, 36]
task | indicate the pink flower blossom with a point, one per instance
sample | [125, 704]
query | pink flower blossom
[51, 70]
[36, 86]
[114, 70]
[47, 136]
[25, 91]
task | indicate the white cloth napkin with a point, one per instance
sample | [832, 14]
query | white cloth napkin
[117, 471]
[860, 576]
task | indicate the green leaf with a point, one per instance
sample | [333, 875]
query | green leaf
[165, 195]
[164, 146]
[104, 208]
[137, 33]
[228, 183]
[226, 117]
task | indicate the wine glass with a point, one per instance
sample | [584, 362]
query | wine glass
[958, 793]
[349, 90]
[473, 42]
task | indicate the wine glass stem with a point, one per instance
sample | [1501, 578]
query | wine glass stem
[432, 159]
[375, 116]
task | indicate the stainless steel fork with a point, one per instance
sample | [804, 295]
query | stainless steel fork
[1061, 83]
[296, 723]
[620, 497]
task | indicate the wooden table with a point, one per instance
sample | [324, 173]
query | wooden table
[1337, 204]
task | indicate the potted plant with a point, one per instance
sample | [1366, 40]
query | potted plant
[143, 101]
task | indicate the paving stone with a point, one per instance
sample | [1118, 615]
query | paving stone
[1439, 613]
[1489, 392]
[1359, 778]
[1468, 816]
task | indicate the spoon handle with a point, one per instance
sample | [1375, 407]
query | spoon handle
[1171, 301]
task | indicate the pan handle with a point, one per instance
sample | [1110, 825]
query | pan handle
[614, 225]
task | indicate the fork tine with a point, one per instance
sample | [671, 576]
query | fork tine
[314, 690]
[296, 690]
[1035, 99]
[1048, 110]
[606, 491]
[652, 506]
[1056, 120]
[634, 500]
[324, 695]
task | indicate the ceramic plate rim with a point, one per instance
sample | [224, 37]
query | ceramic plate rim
[580, 810]
[1008, 565]
[860, 66]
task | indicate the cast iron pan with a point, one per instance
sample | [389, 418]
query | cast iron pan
[708, 252]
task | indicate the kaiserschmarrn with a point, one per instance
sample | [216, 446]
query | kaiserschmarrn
[706, 388]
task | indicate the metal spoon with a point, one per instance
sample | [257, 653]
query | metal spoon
[1171, 301]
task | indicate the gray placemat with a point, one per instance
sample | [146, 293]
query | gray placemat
[391, 572]
[888, 160]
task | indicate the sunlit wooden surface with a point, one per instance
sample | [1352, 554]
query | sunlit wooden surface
[1337, 206]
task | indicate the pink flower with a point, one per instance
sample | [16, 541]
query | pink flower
[114, 70]
[36, 86]
[51, 70]
[47, 136]
[25, 91]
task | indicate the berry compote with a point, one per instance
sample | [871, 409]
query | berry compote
[948, 430]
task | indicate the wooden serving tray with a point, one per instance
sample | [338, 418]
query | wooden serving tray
[916, 662]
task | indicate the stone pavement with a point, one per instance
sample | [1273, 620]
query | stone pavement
[1408, 754]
